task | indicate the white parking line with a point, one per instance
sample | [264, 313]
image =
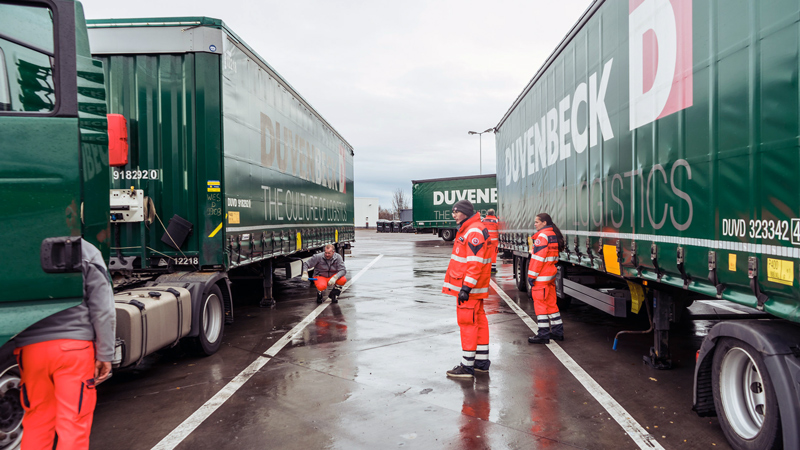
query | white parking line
[626, 421]
[192, 422]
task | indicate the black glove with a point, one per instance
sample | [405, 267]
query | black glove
[531, 281]
[463, 295]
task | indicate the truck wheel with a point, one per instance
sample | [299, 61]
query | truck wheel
[448, 234]
[522, 273]
[11, 411]
[744, 397]
[212, 321]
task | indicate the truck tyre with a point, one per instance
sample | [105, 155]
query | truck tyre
[745, 397]
[11, 408]
[448, 234]
[212, 321]
[521, 273]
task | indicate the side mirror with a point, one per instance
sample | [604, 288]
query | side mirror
[117, 140]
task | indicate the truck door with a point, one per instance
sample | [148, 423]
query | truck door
[39, 157]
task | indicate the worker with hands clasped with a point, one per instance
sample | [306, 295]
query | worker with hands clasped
[63, 357]
[492, 223]
[467, 278]
[547, 243]
[329, 271]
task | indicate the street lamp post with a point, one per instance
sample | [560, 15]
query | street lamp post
[480, 146]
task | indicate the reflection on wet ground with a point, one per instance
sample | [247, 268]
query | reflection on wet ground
[369, 372]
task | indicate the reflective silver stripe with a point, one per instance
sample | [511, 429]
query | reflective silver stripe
[555, 322]
[481, 357]
[477, 230]
[533, 274]
[538, 258]
[545, 278]
[492, 231]
[467, 363]
[478, 259]
[473, 291]
[483, 347]
[554, 315]
[458, 258]
[452, 286]
[470, 280]
[468, 353]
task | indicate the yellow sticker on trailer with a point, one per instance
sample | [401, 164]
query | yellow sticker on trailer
[732, 262]
[610, 258]
[780, 271]
[233, 217]
[299, 241]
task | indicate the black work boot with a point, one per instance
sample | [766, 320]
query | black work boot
[461, 371]
[538, 340]
[319, 297]
[334, 294]
[482, 366]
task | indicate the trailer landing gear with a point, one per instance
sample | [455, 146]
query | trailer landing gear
[663, 313]
[267, 301]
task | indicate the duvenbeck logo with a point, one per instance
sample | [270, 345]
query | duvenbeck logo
[660, 45]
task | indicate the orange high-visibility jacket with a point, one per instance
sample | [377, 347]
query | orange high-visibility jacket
[544, 255]
[469, 259]
[491, 224]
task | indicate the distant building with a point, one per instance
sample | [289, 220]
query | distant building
[366, 211]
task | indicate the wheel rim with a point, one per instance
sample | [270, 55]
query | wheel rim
[212, 318]
[11, 411]
[742, 392]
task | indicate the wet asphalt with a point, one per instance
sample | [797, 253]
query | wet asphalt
[369, 372]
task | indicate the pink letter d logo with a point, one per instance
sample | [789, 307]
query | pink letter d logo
[660, 52]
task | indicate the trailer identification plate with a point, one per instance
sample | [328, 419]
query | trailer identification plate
[780, 271]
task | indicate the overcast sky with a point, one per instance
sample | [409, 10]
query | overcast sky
[402, 82]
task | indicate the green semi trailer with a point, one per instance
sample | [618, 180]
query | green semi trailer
[432, 202]
[662, 137]
[218, 169]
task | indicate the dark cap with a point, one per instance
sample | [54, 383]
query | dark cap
[465, 207]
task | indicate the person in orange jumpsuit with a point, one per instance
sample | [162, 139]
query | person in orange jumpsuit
[492, 224]
[467, 278]
[62, 358]
[547, 243]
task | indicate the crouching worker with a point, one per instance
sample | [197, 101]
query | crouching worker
[329, 271]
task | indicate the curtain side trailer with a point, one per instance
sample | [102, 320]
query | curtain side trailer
[662, 137]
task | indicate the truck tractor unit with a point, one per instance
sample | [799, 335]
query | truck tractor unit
[174, 148]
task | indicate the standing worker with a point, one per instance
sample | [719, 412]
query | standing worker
[491, 223]
[63, 357]
[467, 278]
[547, 243]
[329, 270]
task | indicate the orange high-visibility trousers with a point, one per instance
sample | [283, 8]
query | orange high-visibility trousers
[56, 393]
[322, 282]
[474, 332]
